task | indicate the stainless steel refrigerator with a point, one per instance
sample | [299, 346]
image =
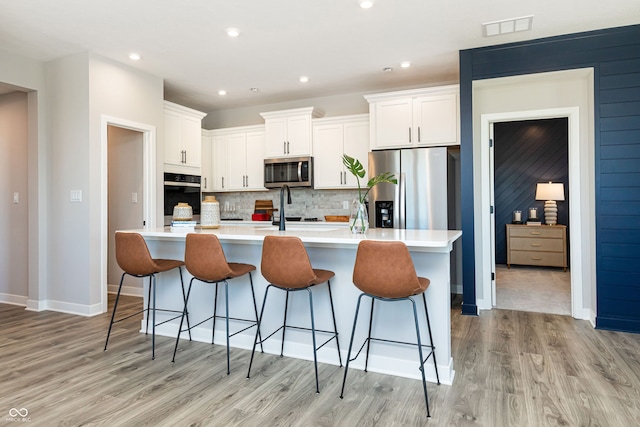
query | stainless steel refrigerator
[425, 197]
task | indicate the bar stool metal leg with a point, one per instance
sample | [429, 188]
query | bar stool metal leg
[184, 313]
[184, 297]
[255, 341]
[424, 379]
[153, 321]
[284, 324]
[255, 309]
[353, 333]
[335, 326]
[146, 330]
[113, 315]
[313, 335]
[366, 360]
[433, 348]
[226, 300]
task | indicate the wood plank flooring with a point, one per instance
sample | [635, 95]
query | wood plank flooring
[512, 369]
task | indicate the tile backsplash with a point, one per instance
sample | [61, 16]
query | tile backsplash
[305, 202]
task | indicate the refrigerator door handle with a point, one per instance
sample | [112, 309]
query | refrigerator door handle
[402, 199]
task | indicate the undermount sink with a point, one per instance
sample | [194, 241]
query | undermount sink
[298, 228]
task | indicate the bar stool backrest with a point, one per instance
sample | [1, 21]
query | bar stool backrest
[385, 269]
[132, 255]
[204, 258]
[285, 262]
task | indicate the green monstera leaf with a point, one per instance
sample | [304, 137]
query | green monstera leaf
[357, 169]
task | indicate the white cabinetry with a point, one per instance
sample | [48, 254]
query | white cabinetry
[415, 118]
[206, 169]
[238, 158]
[288, 132]
[333, 137]
[182, 139]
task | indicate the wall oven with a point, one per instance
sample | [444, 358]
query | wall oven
[181, 188]
[292, 171]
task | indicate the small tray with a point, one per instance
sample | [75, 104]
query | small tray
[336, 218]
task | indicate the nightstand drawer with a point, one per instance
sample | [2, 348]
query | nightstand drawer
[536, 244]
[551, 259]
[537, 231]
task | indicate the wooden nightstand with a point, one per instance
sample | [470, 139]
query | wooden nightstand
[544, 245]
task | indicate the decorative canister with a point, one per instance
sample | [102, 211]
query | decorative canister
[210, 213]
[182, 212]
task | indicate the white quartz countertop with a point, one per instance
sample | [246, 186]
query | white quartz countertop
[324, 236]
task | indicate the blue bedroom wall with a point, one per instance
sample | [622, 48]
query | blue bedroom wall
[614, 55]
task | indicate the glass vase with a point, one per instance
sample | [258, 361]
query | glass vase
[359, 218]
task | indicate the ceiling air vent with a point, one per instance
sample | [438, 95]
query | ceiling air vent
[505, 26]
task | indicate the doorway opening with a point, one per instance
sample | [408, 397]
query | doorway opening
[527, 277]
[133, 136]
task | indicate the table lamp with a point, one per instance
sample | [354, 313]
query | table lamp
[550, 192]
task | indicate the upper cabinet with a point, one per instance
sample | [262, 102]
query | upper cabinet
[288, 132]
[182, 139]
[333, 137]
[237, 159]
[414, 118]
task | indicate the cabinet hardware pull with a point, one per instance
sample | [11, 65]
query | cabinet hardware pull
[536, 245]
[418, 133]
[535, 233]
[223, 182]
[535, 258]
[185, 156]
[409, 133]
[284, 147]
[340, 178]
[205, 182]
[288, 151]
[247, 180]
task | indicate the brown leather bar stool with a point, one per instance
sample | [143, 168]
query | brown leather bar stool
[286, 266]
[384, 271]
[205, 260]
[133, 257]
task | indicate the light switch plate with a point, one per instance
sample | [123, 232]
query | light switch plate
[76, 195]
[134, 197]
[345, 205]
[16, 197]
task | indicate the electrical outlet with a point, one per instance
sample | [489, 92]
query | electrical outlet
[345, 205]
[16, 197]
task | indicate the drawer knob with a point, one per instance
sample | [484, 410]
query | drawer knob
[536, 245]
[535, 233]
[536, 258]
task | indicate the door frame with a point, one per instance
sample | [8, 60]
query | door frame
[577, 213]
[148, 187]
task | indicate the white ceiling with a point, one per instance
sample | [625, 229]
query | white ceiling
[341, 47]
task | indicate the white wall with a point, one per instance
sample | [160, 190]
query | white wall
[14, 286]
[560, 89]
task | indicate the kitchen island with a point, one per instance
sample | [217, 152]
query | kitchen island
[332, 248]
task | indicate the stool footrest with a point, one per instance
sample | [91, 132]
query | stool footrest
[254, 323]
[394, 342]
[334, 335]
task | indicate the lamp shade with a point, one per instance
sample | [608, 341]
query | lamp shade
[550, 191]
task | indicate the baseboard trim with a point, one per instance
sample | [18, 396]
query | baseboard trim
[469, 309]
[13, 299]
[132, 291]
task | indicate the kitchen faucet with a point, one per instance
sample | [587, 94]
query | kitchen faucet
[282, 204]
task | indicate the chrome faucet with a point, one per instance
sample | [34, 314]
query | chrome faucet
[282, 204]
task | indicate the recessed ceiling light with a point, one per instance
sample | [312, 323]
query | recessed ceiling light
[366, 4]
[405, 64]
[233, 32]
[387, 69]
[222, 92]
[304, 79]
[134, 56]
[254, 89]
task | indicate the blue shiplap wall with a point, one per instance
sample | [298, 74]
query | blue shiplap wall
[615, 56]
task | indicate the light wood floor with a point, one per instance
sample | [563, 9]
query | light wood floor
[512, 368]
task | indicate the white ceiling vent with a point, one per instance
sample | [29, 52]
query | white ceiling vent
[506, 26]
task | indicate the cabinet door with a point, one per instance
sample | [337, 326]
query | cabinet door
[327, 160]
[191, 133]
[255, 161]
[236, 161]
[206, 168]
[356, 144]
[436, 118]
[298, 136]
[276, 137]
[172, 138]
[393, 123]
[219, 163]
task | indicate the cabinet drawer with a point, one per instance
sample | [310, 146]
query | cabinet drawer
[536, 244]
[536, 231]
[551, 259]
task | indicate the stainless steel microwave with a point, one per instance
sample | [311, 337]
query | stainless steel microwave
[292, 171]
